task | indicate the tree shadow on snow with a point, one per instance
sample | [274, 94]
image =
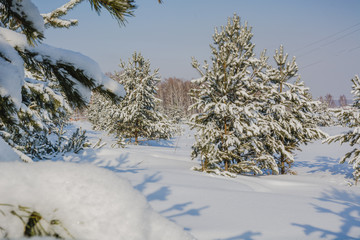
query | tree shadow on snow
[156, 177]
[327, 164]
[190, 212]
[161, 194]
[245, 236]
[159, 143]
[120, 164]
[349, 215]
[180, 210]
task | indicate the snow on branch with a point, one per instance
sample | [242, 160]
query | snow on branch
[53, 19]
[12, 71]
[77, 74]
[24, 15]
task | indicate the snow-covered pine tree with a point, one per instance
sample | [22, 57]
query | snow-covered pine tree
[103, 115]
[251, 119]
[290, 110]
[139, 116]
[43, 110]
[350, 117]
[228, 98]
[100, 112]
[28, 103]
[325, 115]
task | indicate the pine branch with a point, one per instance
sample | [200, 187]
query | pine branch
[7, 111]
[52, 19]
[13, 16]
[66, 74]
[119, 9]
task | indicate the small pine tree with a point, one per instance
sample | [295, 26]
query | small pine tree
[137, 114]
[350, 117]
[292, 112]
[102, 113]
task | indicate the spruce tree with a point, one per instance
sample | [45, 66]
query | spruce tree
[350, 117]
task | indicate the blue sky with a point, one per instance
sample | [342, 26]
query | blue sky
[324, 35]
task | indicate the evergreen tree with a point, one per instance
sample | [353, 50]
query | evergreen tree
[350, 117]
[136, 115]
[251, 119]
[325, 115]
[101, 111]
[291, 110]
[227, 98]
[39, 84]
[139, 117]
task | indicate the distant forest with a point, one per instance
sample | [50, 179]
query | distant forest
[175, 99]
[331, 102]
[174, 93]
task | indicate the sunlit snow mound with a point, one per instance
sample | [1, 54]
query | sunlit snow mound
[90, 202]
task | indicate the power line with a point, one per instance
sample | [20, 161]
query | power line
[339, 38]
[325, 44]
[353, 49]
[327, 37]
[311, 64]
[332, 55]
[328, 43]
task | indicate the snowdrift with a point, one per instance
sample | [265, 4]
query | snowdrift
[90, 202]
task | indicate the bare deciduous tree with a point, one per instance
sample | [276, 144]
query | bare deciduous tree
[174, 94]
[329, 100]
[343, 101]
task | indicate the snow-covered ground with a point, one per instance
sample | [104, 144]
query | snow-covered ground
[317, 203]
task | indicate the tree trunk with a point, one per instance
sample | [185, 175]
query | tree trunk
[204, 164]
[225, 133]
[225, 119]
[136, 138]
[282, 165]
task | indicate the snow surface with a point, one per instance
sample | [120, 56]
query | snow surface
[92, 203]
[317, 203]
[7, 153]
